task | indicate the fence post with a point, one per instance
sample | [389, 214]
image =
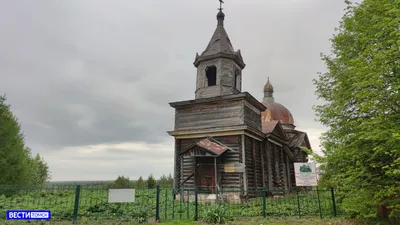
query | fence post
[76, 206]
[158, 203]
[298, 201]
[319, 204]
[333, 202]
[196, 215]
[264, 194]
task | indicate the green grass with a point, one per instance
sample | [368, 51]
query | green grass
[93, 205]
[258, 221]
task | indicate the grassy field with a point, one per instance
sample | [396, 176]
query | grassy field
[94, 207]
[288, 221]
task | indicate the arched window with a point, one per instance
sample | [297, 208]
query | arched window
[211, 74]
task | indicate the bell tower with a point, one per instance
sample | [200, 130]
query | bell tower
[219, 67]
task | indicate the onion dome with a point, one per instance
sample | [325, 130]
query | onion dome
[275, 111]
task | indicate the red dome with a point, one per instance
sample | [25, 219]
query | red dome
[276, 111]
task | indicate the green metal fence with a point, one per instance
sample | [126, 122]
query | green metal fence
[90, 202]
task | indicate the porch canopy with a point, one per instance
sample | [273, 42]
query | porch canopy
[207, 147]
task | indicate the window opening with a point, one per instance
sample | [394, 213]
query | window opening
[211, 74]
[237, 79]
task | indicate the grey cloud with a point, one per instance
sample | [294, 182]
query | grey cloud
[119, 63]
[120, 155]
[109, 163]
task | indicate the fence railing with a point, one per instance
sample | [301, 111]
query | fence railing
[90, 202]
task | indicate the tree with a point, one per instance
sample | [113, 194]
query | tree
[170, 180]
[361, 93]
[122, 182]
[13, 156]
[39, 171]
[140, 183]
[151, 182]
[17, 166]
[165, 182]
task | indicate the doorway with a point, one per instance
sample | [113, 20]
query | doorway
[205, 175]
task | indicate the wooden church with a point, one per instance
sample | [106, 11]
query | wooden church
[226, 138]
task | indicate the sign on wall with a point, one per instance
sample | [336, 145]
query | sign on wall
[121, 195]
[234, 168]
[305, 174]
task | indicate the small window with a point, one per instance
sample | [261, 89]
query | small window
[211, 74]
[237, 80]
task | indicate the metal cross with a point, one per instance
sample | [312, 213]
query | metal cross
[220, 5]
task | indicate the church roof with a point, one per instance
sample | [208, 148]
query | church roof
[268, 127]
[298, 138]
[211, 146]
[220, 45]
[219, 42]
[208, 146]
[268, 87]
[275, 111]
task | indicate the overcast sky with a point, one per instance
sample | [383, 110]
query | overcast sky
[90, 80]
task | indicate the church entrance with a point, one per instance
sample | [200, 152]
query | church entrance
[205, 174]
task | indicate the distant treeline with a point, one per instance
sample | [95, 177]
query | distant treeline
[124, 182]
[121, 182]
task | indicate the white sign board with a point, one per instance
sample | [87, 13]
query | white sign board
[305, 174]
[121, 195]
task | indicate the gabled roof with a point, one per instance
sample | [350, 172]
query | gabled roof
[268, 127]
[207, 147]
[274, 127]
[298, 139]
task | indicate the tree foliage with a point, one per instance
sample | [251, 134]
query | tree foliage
[165, 182]
[39, 171]
[17, 166]
[151, 182]
[121, 182]
[362, 108]
[140, 183]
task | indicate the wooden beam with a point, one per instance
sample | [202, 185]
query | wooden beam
[288, 173]
[262, 163]
[215, 174]
[283, 167]
[253, 142]
[269, 164]
[175, 163]
[216, 132]
[245, 183]
[272, 141]
[184, 181]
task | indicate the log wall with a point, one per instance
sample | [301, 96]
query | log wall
[278, 168]
[231, 180]
[185, 165]
[253, 163]
[210, 115]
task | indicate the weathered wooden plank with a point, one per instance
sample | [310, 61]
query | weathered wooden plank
[283, 169]
[251, 118]
[249, 163]
[269, 164]
[209, 115]
[230, 180]
[257, 160]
